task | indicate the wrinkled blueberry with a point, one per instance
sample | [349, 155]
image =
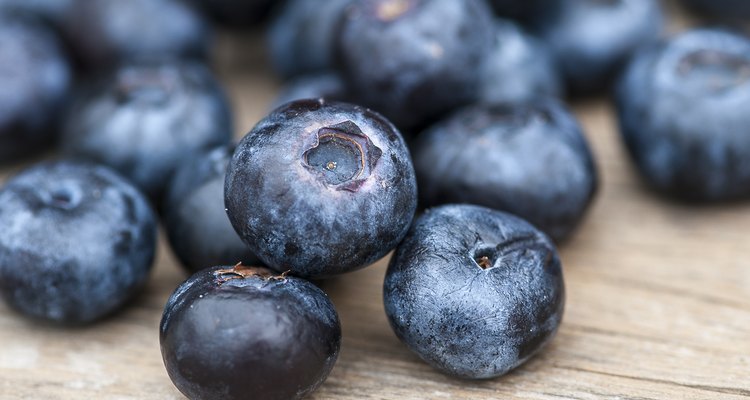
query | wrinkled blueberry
[683, 108]
[106, 32]
[302, 36]
[237, 13]
[519, 68]
[413, 60]
[529, 159]
[144, 119]
[244, 332]
[35, 77]
[730, 9]
[327, 86]
[76, 242]
[474, 292]
[321, 188]
[195, 219]
[593, 39]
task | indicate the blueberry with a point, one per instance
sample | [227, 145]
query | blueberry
[321, 188]
[106, 32]
[236, 13]
[143, 119]
[593, 39]
[76, 242]
[730, 9]
[35, 78]
[327, 86]
[474, 292]
[683, 115]
[195, 219]
[519, 68]
[413, 60]
[302, 36]
[243, 332]
[529, 159]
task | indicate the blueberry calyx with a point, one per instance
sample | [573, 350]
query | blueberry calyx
[63, 198]
[488, 256]
[240, 271]
[342, 156]
[154, 86]
[717, 71]
[392, 10]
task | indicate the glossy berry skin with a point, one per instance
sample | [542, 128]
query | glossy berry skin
[321, 188]
[413, 60]
[729, 9]
[682, 108]
[474, 292]
[592, 39]
[519, 68]
[529, 159]
[77, 242]
[327, 86]
[144, 119]
[35, 77]
[109, 32]
[237, 333]
[302, 37]
[194, 216]
[236, 13]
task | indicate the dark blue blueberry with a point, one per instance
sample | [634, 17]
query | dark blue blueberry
[683, 108]
[729, 9]
[301, 38]
[35, 78]
[321, 188]
[194, 214]
[144, 119]
[529, 159]
[327, 86]
[593, 39]
[243, 332]
[237, 13]
[76, 242]
[474, 292]
[519, 68]
[413, 60]
[106, 32]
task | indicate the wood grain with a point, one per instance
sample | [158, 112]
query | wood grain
[658, 303]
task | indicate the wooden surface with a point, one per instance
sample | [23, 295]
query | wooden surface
[658, 304]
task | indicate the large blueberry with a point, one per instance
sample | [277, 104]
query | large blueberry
[730, 9]
[144, 119]
[593, 39]
[413, 60]
[237, 13]
[519, 68]
[683, 108]
[474, 292]
[244, 332]
[301, 38]
[327, 86]
[35, 78]
[76, 242]
[106, 32]
[194, 214]
[321, 188]
[529, 159]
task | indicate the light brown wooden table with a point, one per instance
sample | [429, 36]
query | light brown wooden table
[658, 303]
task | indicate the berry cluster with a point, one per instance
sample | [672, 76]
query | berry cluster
[433, 129]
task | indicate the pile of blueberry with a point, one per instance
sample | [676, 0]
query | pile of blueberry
[461, 99]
